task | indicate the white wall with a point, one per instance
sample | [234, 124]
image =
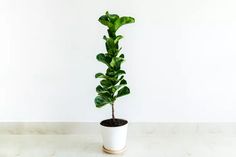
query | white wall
[181, 60]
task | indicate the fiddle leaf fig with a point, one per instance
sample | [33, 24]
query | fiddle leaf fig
[123, 82]
[118, 39]
[112, 17]
[99, 75]
[112, 84]
[104, 58]
[106, 83]
[105, 21]
[123, 91]
[123, 21]
[101, 101]
[99, 89]
[116, 62]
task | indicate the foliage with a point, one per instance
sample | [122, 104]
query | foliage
[112, 84]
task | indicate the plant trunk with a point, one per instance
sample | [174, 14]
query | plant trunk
[113, 112]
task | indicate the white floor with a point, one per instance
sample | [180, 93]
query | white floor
[144, 140]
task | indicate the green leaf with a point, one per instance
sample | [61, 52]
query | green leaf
[118, 39]
[123, 91]
[120, 72]
[110, 46]
[99, 89]
[106, 83]
[112, 17]
[106, 95]
[105, 21]
[104, 59]
[116, 62]
[99, 75]
[101, 57]
[100, 101]
[123, 82]
[110, 72]
[121, 78]
[122, 56]
[123, 21]
[114, 73]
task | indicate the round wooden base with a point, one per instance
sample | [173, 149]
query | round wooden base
[113, 151]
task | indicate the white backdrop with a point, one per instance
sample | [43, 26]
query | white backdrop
[180, 60]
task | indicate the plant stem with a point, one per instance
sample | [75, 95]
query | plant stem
[113, 112]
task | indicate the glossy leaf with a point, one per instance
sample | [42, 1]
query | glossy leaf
[110, 46]
[118, 39]
[99, 75]
[106, 83]
[99, 89]
[107, 96]
[121, 78]
[123, 91]
[123, 21]
[123, 82]
[100, 101]
[112, 17]
[120, 72]
[114, 73]
[104, 59]
[105, 21]
[116, 62]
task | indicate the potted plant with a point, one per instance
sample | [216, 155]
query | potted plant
[112, 85]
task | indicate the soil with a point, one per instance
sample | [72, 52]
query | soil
[113, 123]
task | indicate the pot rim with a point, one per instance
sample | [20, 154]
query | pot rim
[115, 126]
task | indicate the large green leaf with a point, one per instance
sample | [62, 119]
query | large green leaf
[104, 59]
[116, 62]
[112, 17]
[106, 83]
[99, 89]
[114, 73]
[120, 72]
[123, 21]
[101, 101]
[119, 79]
[123, 91]
[121, 84]
[106, 95]
[110, 72]
[112, 45]
[105, 21]
[101, 75]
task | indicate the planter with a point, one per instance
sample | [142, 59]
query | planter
[114, 136]
[112, 85]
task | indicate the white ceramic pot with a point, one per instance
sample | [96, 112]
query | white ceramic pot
[114, 138]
